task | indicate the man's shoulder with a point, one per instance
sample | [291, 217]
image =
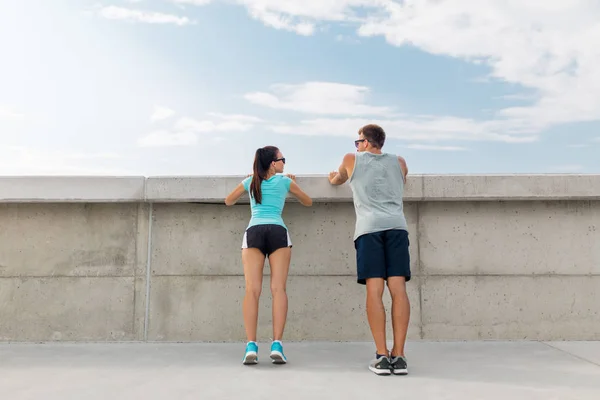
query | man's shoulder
[349, 157]
[396, 156]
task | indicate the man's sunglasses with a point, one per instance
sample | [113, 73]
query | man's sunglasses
[356, 142]
[280, 159]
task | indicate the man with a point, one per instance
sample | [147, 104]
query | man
[381, 240]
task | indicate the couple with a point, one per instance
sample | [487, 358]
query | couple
[381, 241]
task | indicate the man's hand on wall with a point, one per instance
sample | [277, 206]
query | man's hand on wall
[333, 175]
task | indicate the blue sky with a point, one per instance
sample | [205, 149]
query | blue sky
[193, 87]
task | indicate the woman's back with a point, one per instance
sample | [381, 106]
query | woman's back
[266, 236]
[274, 193]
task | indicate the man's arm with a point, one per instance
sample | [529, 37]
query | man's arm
[340, 176]
[404, 167]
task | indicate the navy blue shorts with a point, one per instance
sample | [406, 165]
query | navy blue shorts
[382, 254]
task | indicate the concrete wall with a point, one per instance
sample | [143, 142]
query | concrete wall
[158, 259]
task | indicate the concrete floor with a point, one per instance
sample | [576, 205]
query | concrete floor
[438, 370]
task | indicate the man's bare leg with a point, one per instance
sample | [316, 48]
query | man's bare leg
[400, 313]
[376, 313]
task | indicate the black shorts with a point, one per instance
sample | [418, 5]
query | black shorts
[267, 238]
[382, 254]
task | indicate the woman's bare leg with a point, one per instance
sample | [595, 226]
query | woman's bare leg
[279, 261]
[254, 261]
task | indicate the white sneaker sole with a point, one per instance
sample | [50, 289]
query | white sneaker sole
[278, 358]
[250, 358]
[380, 371]
[400, 371]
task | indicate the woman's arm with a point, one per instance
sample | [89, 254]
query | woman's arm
[235, 195]
[304, 199]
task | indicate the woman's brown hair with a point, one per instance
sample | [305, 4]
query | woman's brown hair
[262, 162]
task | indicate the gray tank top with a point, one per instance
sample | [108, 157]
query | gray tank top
[377, 188]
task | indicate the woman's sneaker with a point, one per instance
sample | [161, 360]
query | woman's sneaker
[251, 356]
[381, 365]
[277, 353]
[399, 366]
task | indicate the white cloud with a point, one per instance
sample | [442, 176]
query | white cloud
[578, 146]
[161, 113]
[193, 125]
[82, 156]
[328, 98]
[168, 139]
[236, 117]
[434, 147]
[8, 114]
[423, 128]
[184, 131]
[520, 96]
[190, 124]
[278, 21]
[312, 10]
[347, 102]
[192, 2]
[549, 47]
[150, 17]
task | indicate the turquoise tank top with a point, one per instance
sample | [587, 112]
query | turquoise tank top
[274, 192]
[377, 188]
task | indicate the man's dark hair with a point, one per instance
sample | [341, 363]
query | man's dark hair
[374, 134]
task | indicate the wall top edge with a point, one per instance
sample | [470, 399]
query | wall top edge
[214, 188]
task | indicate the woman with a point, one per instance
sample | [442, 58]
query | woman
[266, 236]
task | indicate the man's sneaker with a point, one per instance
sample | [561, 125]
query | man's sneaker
[399, 366]
[277, 353]
[380, 365]
[251, 356]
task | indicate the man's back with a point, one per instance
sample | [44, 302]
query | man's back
[377, 183]
[381, 240]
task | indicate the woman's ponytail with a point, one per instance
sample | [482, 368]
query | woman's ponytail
[262, 162]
